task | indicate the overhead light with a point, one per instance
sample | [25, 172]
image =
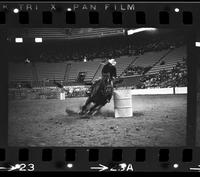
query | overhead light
[38, 40]
[18, 40]
[133, 31]
[197, 44]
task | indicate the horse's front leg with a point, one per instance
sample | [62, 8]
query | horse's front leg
[84, 107]
[92, 109]
[95, 109]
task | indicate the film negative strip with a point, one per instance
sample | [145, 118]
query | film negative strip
[100, 86]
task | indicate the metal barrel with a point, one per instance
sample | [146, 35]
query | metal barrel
[123, 103]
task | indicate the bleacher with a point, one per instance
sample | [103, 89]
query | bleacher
[123, 62]
[89, 67]
[170, 60]
[60, 71]
[149, 58]
[57, 71]
[20, 72]
[50, 71]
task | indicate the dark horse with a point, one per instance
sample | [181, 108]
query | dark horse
[101, 93]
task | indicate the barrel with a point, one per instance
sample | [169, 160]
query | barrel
[123, 103]
[62, 96]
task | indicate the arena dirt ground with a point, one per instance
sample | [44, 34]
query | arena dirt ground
[157, 121]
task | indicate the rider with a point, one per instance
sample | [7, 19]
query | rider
[108, 71]
[108, 68]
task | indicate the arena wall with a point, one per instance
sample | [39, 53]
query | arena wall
[54, 93]
[159, 91]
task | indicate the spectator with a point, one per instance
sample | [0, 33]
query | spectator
[177, 76]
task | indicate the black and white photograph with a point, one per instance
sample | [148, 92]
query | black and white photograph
[97, 87]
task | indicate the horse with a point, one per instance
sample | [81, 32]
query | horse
[101, 93]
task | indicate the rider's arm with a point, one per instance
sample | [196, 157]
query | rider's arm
[114, 72]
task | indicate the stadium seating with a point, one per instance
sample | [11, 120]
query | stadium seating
[170, 60]
[123, 62]
[41, 71]
[20, 72]
[51, 71]
[89, 67]
[149, 58]
[57, 71]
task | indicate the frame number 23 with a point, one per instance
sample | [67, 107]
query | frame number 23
[27, 167]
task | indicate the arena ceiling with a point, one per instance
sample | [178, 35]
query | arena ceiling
[64, 33]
